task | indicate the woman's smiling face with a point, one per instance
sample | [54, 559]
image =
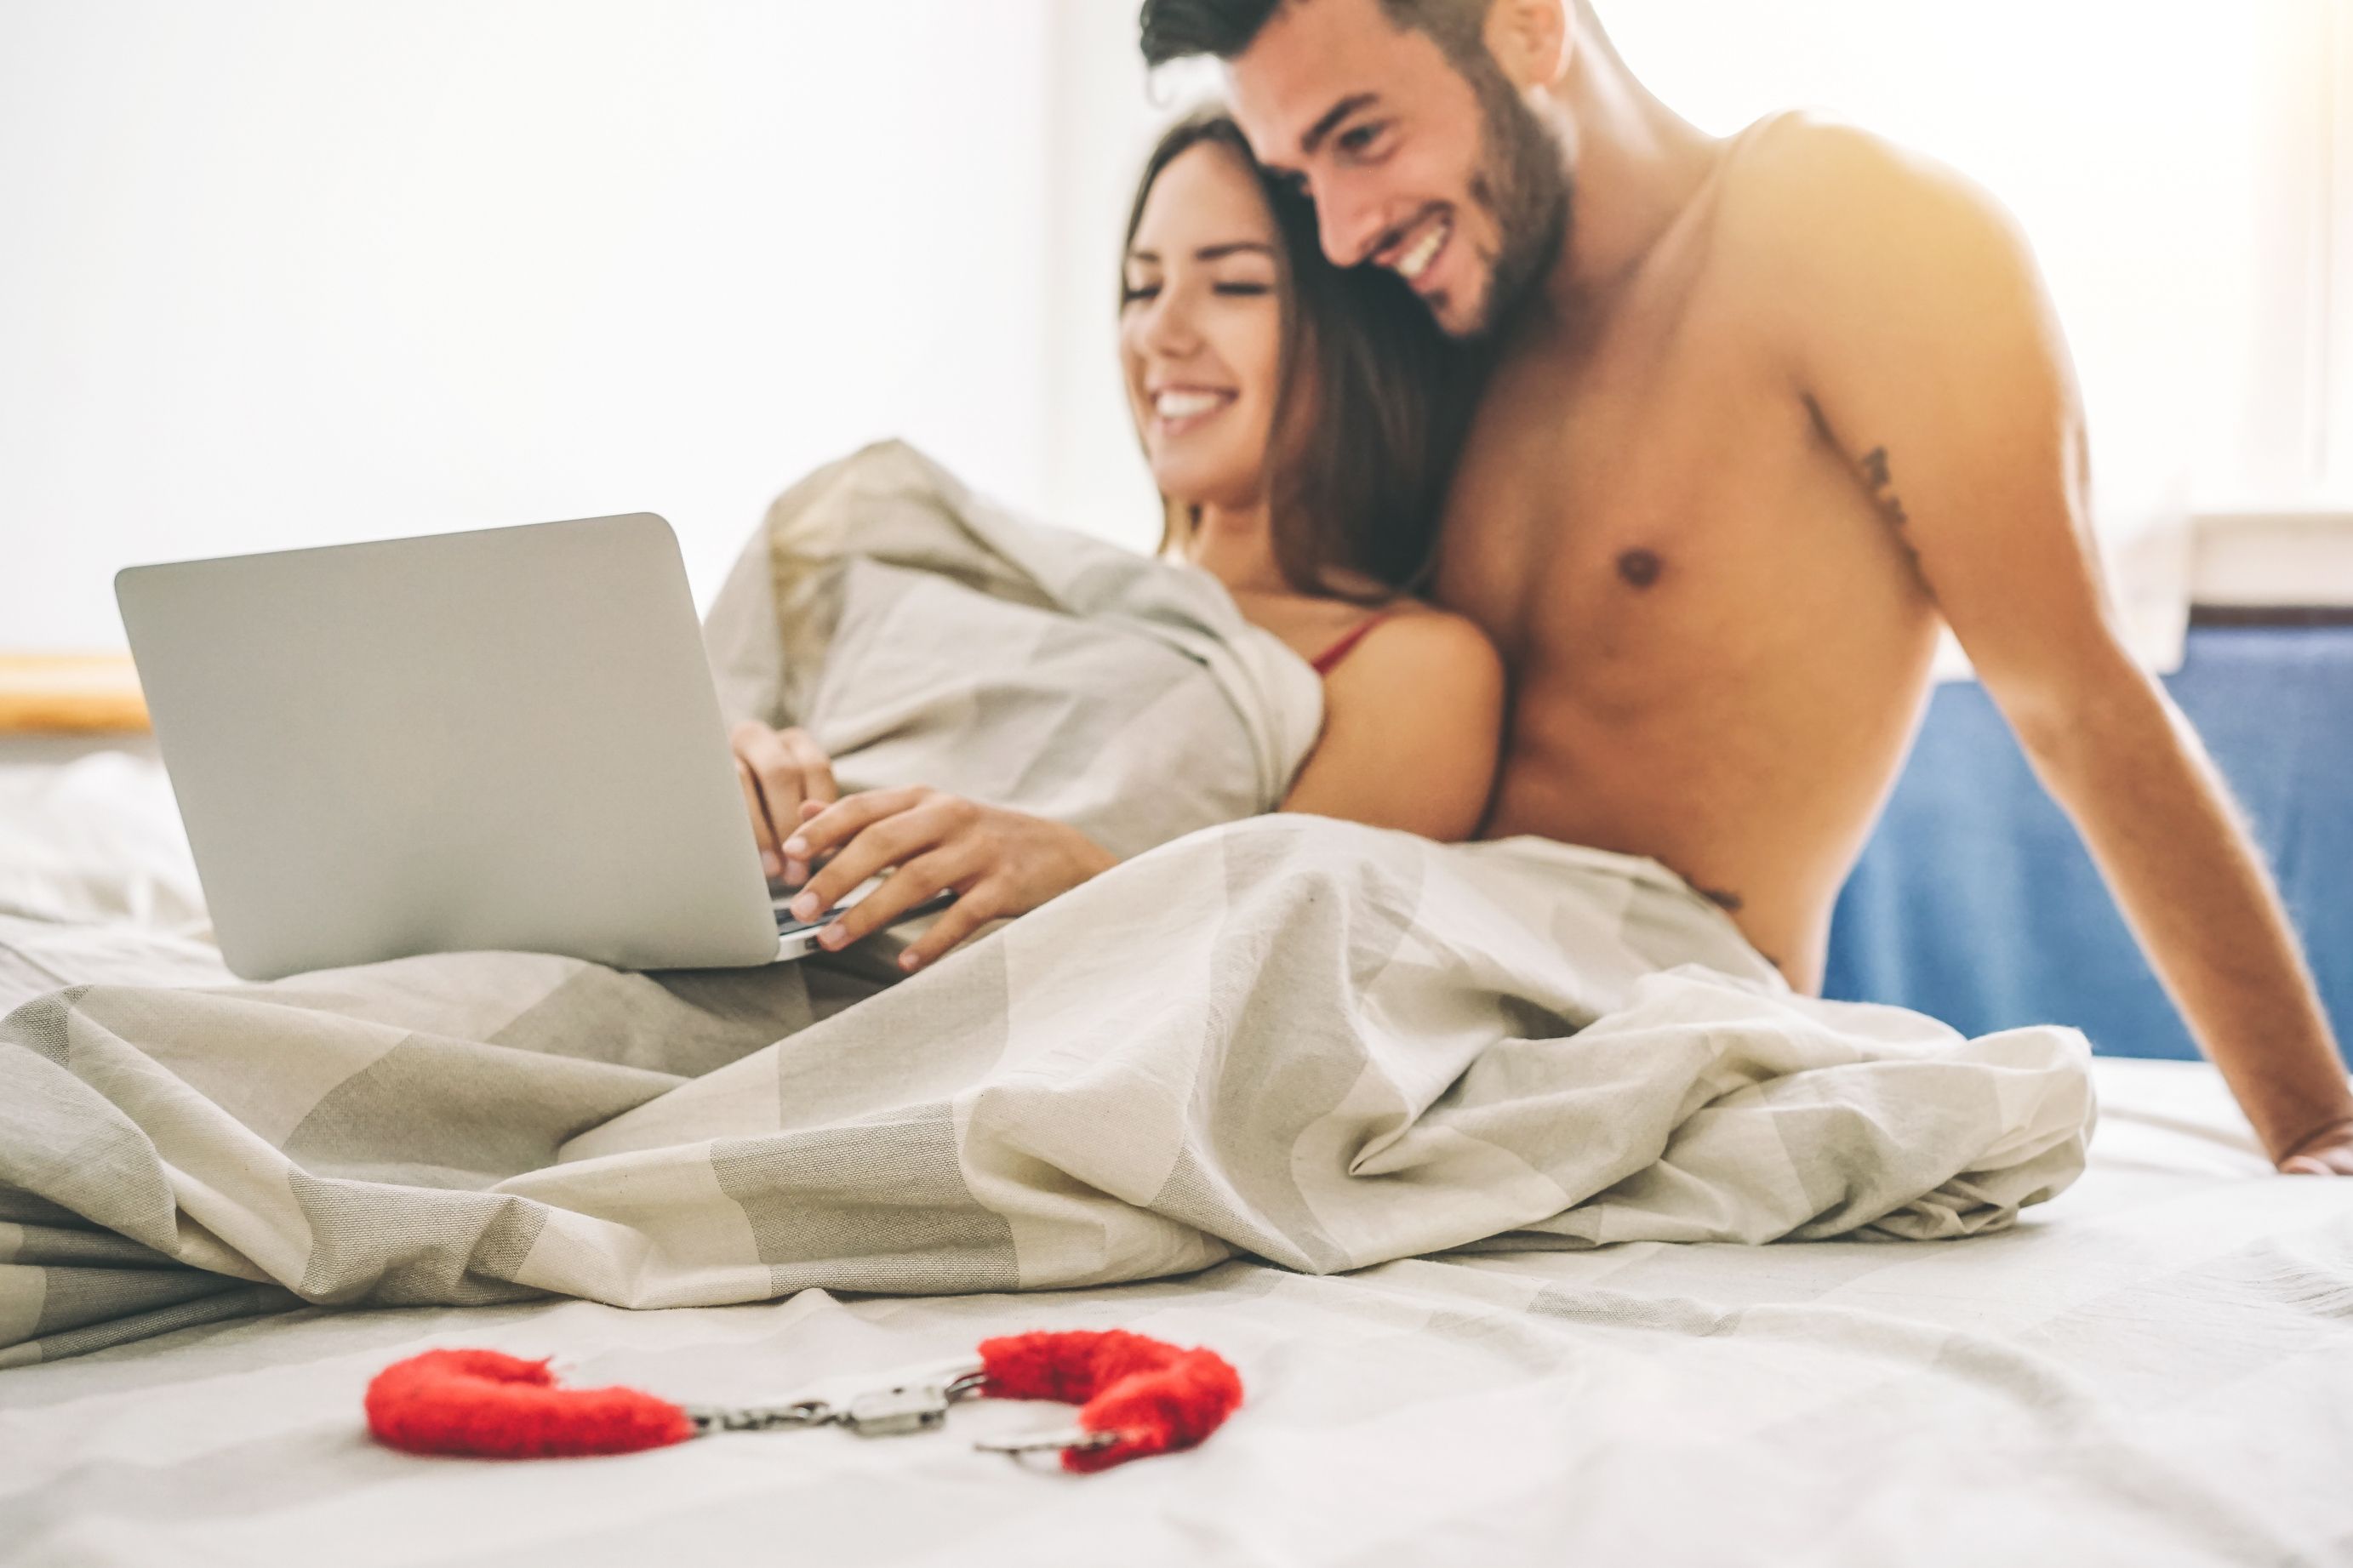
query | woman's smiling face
[1200, 338]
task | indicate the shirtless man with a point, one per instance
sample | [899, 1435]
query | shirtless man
[1765, 414]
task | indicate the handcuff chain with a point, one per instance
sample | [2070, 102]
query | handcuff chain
[901, 1407]
[763, 1418]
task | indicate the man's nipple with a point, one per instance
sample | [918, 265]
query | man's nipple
[1641, 567]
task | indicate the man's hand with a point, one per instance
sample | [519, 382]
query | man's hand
[780, 770]
[2326, 1152]
[998, 863]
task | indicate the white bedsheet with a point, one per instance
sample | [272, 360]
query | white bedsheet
[2156, 1369]
[97, 839]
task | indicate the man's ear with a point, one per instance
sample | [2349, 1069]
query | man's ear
[1532, 40]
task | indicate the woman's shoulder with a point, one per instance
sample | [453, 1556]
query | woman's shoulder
[1412, 725]
[1418, 641]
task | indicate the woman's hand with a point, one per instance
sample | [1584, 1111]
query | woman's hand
[780, 770]
[998, 863]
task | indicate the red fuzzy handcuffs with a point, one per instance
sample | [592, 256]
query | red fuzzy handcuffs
[1137, 1396]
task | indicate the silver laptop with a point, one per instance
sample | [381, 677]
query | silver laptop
[505, 739]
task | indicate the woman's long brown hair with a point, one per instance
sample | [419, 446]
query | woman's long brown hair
[1370, 412]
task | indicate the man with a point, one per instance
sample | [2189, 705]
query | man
[1764, 414]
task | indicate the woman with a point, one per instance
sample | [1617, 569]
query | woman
[1298, 421]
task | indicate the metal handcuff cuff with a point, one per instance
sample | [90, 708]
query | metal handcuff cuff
[892, 1412]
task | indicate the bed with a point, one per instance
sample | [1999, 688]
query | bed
[2156, 1368]
[1976, 902]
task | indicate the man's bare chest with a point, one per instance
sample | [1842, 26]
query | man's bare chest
[1621, 504]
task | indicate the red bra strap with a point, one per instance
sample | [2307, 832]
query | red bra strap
[1329, 659]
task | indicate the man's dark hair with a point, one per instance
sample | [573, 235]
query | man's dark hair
[1180, 29]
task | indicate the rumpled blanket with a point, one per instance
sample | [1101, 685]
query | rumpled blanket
[923, 636]
[1313, 1042]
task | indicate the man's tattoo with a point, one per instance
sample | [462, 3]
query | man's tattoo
[1882, 480]
[1641, 567]
[1730, 903]
[1880, 476]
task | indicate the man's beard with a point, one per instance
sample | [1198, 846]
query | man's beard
[1524, 185]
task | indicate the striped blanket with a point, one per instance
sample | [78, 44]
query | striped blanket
[1308, 1042]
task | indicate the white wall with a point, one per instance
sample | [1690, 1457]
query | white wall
[2162, 157]
[2336, 259]
[1105, 114]
[278, 272]
[2167, 160]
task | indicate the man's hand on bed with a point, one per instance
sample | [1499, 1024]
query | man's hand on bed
[780, 770]
[998, 863]
[2326, 1152]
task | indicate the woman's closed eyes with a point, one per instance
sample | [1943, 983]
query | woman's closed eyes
[1231, 290]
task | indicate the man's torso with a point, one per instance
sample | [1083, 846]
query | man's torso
[1720, 649]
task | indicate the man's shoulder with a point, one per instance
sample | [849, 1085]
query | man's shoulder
[1806, 192]
[1829, 231]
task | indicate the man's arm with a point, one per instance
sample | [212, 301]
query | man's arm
[1922, 335]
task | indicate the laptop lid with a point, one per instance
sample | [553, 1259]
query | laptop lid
[504, 739]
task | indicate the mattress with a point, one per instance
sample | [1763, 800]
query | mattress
[2157, 1368]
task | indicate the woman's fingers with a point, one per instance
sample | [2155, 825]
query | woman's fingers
[787, 769]
[771, 861]
[974, 909]
[866, 833]
[924, 877]
[817, 788]
[1001, 863]
[824, 829]
[775, 777]
[817, 768]
[832, 827]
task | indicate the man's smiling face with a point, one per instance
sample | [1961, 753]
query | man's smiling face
[1434, 167]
